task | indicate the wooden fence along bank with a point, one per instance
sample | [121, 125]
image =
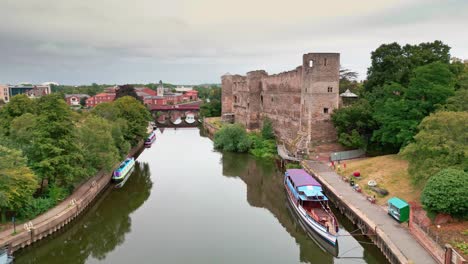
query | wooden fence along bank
[62, 214]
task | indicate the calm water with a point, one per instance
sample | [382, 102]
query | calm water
[186, 203]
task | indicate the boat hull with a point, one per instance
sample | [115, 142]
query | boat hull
[310, 225]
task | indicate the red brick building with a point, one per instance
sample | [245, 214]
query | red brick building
[100, 98]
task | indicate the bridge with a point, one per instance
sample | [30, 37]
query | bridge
[180, 115]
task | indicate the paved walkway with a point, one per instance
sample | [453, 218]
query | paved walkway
[398, 234]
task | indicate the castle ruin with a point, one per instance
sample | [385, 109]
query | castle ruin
[298, 102]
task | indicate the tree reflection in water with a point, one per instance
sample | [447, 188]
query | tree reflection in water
[265, 190]
[100, 230]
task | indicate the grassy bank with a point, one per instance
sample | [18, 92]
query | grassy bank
[390, 172]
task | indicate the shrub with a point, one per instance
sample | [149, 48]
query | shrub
[293, 166]
[232, 138]
[267, 129]
[445, 192]
[262, 148]
[35, 207]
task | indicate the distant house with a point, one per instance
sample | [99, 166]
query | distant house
[191, 95]
[74, 99]
[100, 98]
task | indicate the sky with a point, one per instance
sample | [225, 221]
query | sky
[197, 41]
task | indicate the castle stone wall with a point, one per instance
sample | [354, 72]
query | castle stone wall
[299, 102]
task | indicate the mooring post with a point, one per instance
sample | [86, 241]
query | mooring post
[448, 254]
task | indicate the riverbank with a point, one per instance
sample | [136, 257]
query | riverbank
[62, 214]
[392, 238]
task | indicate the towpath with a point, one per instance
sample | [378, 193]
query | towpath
[400, 236]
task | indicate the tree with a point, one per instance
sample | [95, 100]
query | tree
[445, 192]
[348, 80]
[136, 115]
[267, 129]
[354, 124]
[393, 63]
[17, 182]
[402, 109]
[127, 90]
[18, 105]
[232, 138]
[83, 101]
[99, 148]
[456, 103]
[441, 143]
[54, 153]
[107, 111]
[21, 131]
[211, 109]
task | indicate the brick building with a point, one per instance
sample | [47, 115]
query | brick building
[298, 102]
[74, 99]
[100, 98]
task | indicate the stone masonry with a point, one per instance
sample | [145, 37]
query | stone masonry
[298, 102]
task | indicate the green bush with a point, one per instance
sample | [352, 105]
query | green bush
[35, 207]
[293, 166]
[262, 148]
[445, 192]
[232, 138]
[267, 129]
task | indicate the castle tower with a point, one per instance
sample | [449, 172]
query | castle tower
[319, 96]
[160, 89]
[226, 94]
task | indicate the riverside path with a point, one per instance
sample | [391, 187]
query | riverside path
[400, 236]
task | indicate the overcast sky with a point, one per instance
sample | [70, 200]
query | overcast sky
[196, 41]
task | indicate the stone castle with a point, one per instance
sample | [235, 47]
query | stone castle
[298, 102]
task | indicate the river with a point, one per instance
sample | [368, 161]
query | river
[186, 203]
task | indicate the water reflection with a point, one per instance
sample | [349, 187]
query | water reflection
[265, 189]
[100, 230]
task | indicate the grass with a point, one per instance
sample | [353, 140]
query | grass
[390, 172]
[215, 121]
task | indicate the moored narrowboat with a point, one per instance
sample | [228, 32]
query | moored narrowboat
[150, 139]
[124, 169]
[307, 200]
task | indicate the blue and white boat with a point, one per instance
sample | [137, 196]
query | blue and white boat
[124, 169]
[150, 139]
[311, 206]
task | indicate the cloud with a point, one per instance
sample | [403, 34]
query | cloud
[197, 41]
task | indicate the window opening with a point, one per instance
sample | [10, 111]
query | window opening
[325, 110]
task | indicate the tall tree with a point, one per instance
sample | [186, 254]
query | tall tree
[136, 115]
[393, 63]
[18, 105]
[17, 182]
[400, 113]
[54, 153]
[441, 143]
[99, 149]
[127, 90]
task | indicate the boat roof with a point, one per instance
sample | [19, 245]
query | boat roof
[311, 192]
[301, 178]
